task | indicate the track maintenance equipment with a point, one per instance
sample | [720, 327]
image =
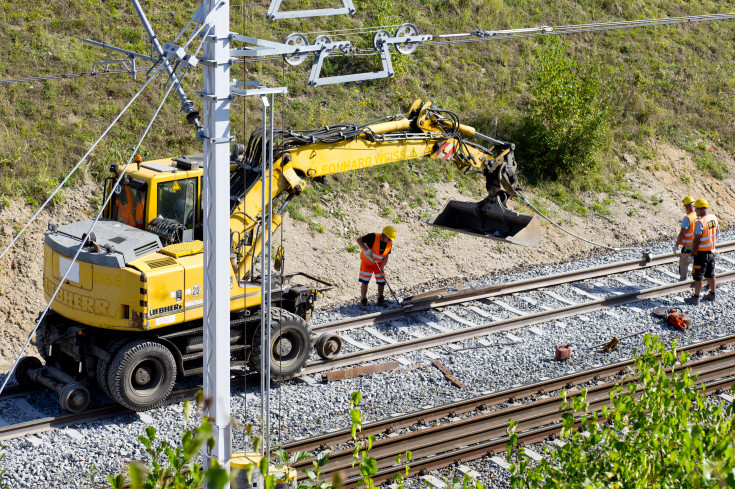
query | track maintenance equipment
[674, 316]
[613, 343]
[129, 313]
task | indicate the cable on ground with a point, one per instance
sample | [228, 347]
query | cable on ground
[600, 245]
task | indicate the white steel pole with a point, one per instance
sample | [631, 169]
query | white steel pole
[265, 282]
[216, 187]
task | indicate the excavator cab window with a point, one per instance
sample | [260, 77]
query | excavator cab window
[177, 200]
[128, 203]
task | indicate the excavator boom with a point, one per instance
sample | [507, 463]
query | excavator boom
[424, 132]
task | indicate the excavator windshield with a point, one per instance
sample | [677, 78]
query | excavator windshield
[128, 205]
[177, 200]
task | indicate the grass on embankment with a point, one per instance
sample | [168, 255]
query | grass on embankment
[674, 83]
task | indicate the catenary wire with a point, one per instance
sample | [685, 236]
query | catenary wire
[85, 238]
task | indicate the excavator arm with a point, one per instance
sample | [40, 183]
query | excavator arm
[300, 156]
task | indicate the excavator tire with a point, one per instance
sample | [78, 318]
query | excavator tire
[142, 375]
[21, 370]
[103, 367]
[290, 345]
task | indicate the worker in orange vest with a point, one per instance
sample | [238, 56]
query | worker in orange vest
[129, 206]
[703, 248]
[373, 258]
[686, 238]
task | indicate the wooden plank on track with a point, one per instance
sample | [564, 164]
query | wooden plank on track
[350, 373]
[448, 374]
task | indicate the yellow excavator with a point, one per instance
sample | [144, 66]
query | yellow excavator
[129, 312]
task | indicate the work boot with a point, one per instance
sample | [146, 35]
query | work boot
[693, 300]
[709, 297]
[363, 303]
[382, 302]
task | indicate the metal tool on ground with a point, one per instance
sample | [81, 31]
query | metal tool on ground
[487, 346]
[613, 343]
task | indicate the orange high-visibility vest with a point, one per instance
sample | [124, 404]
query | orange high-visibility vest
[132, 212]
[688, 239]
[709, 233]
[376, 251]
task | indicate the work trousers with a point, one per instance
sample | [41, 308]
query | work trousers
[685, 261]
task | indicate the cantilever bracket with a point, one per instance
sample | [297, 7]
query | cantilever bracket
[261, 47]
[315, 80]
[273, 13]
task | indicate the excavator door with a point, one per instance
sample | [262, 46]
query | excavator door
[490, 219]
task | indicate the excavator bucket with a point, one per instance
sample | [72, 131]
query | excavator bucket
[489, 219]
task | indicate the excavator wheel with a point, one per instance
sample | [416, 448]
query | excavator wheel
[74, 398]
[328, 346]
[21, 371]
[290, 345]
[103, 367]
[142, 375]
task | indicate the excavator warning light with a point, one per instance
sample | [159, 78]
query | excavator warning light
[138, 159]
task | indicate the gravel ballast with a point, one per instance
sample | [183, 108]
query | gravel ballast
[80, 457]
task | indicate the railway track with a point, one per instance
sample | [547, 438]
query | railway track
[490, 400]
[458, 440]
[469, 330]
[425, 302]
[443, 297]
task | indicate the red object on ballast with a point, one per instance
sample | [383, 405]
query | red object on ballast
[563, 352]
[678, 320]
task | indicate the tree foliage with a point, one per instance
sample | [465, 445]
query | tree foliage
[660, 431]
[566, 122]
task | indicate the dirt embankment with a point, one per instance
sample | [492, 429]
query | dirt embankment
[417, 262]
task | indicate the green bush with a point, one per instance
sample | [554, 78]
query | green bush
[661, 431]
[179, 471]
[566, 121]
[3, 470]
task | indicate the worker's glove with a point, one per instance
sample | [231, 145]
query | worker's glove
[369, 254]
[676, 249]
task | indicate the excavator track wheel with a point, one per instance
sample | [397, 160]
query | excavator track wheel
[379, 37]
[142, 375]
[297, 40]
[25, 365]
[74, 398]
[328, 346]
[406, 30]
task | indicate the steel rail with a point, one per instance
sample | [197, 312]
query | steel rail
[449, 440]
[484, 402]
[440, 339]
[443, 298]
[103, 412]
[16, 391]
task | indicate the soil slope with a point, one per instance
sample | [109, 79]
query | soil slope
[417, 262]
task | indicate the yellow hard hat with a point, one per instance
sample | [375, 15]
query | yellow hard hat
[687, 200]
[390, 232]
[701, 203]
